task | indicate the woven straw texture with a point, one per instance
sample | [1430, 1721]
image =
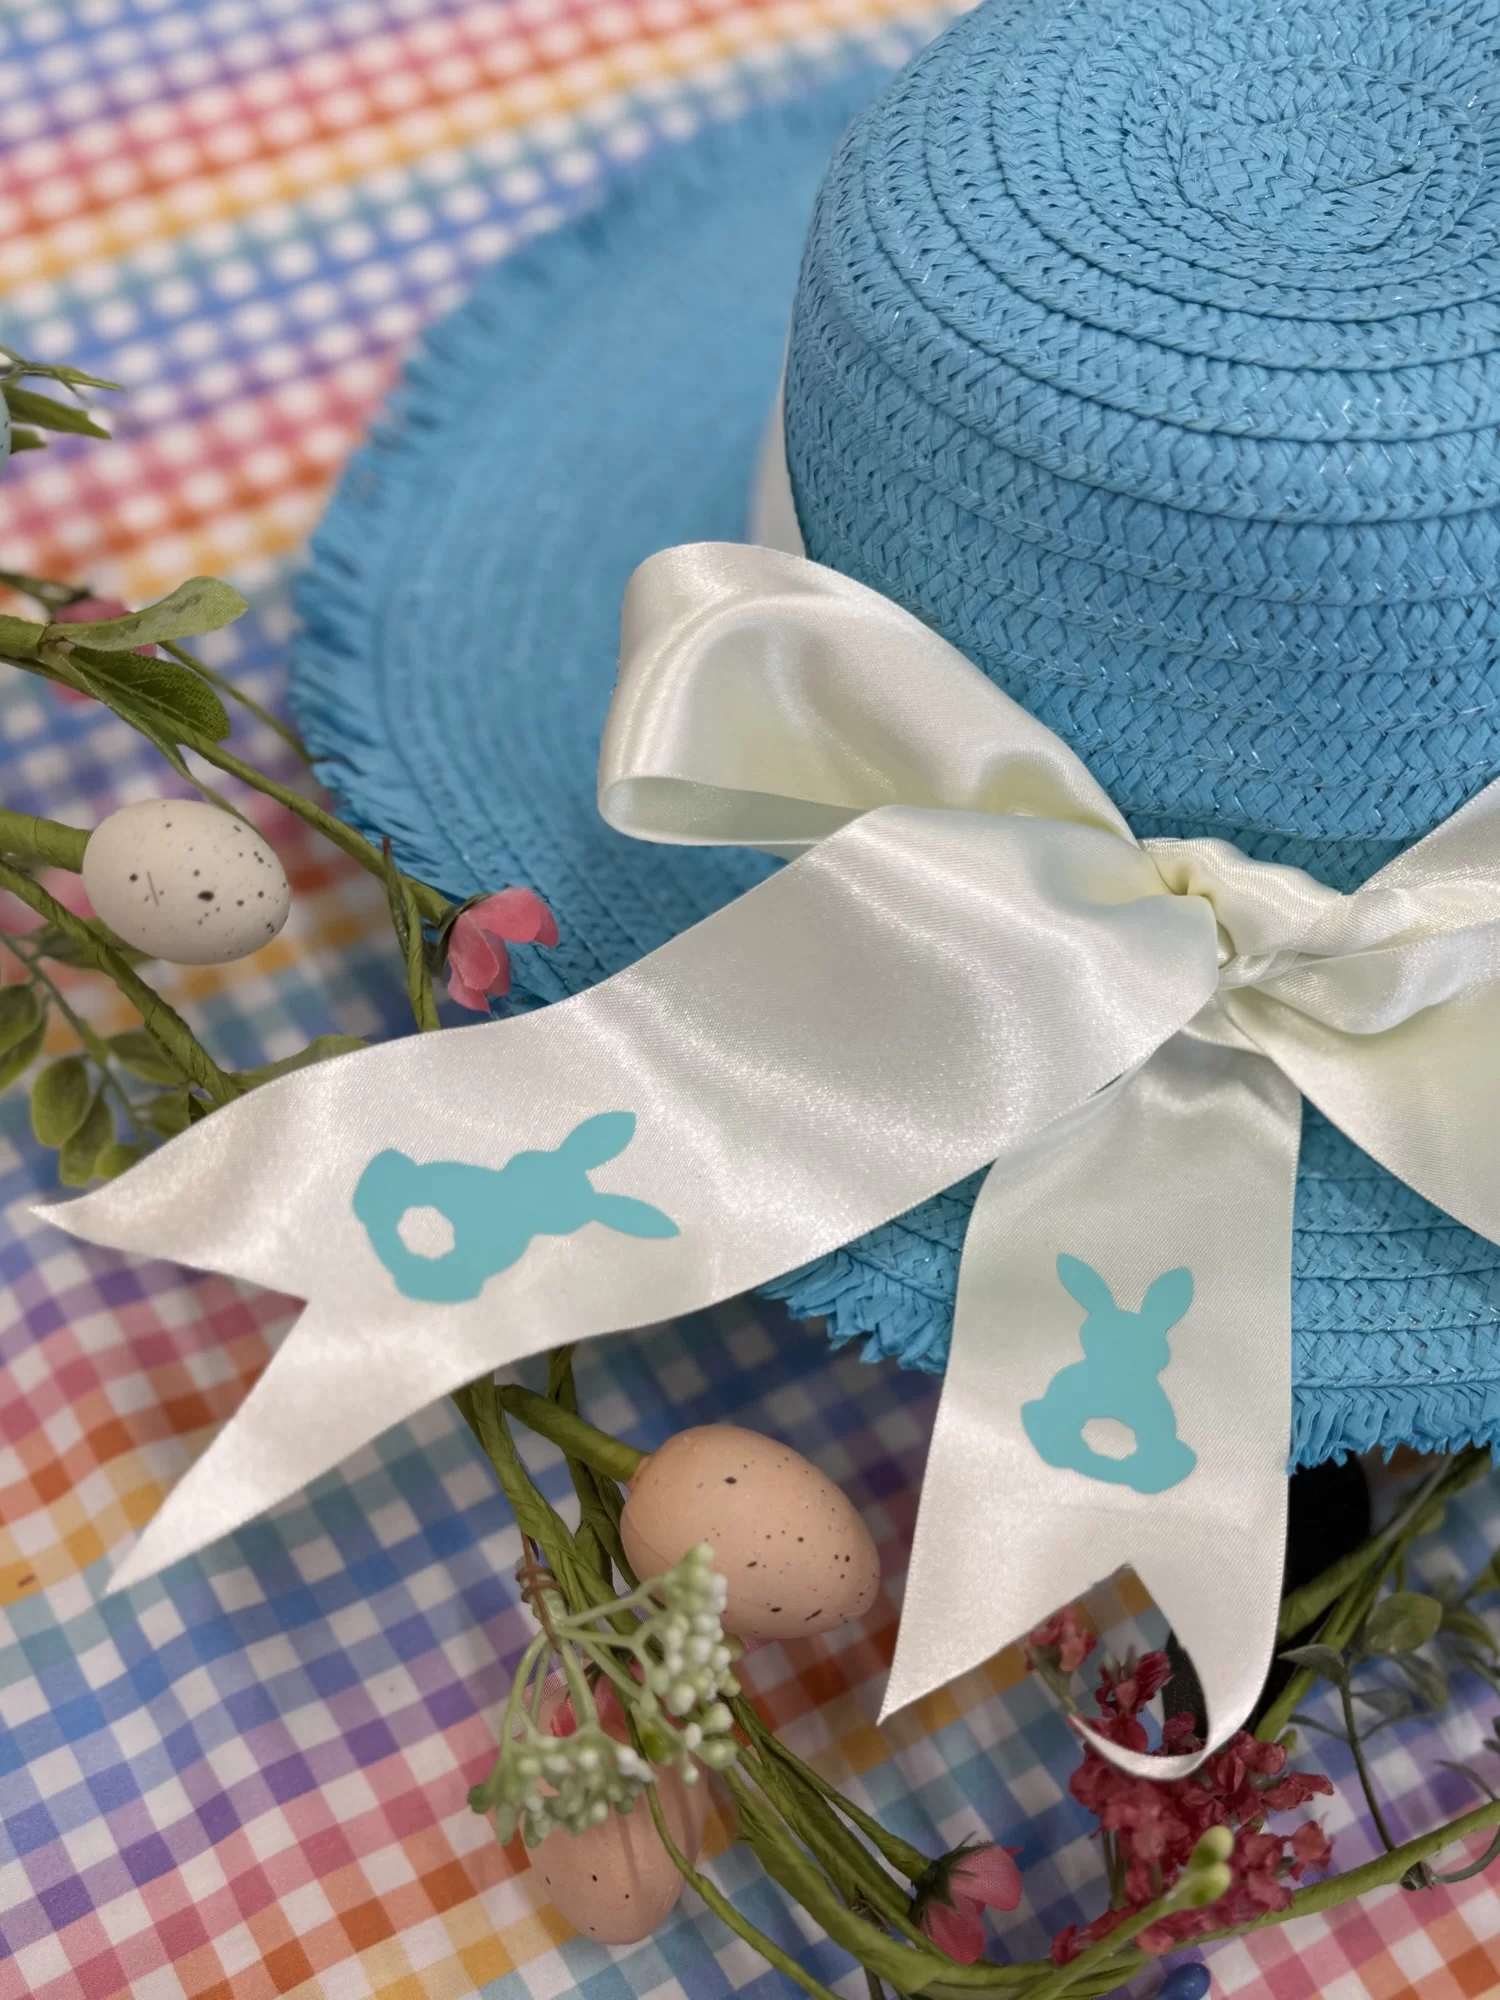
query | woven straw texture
[1149, 353]
[601, 396]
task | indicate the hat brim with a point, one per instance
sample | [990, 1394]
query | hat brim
[600, 396]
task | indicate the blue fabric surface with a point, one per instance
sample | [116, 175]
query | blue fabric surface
[602, 396]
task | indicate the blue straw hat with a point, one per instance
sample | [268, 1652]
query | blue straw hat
[1152, 355]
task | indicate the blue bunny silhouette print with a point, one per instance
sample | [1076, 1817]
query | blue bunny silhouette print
[1123, 1353]
[495, 1212]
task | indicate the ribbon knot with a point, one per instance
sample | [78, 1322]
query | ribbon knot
[971, 963]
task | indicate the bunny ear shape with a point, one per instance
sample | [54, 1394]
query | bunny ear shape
[632, 1217]
[598, 1139]
[1085, 1284]
[1168, 1299]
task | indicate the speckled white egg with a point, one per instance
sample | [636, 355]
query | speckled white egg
[615, 1882]
[185, 882]
[796, 1555]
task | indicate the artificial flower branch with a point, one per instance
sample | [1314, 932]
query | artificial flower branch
[817, 1867]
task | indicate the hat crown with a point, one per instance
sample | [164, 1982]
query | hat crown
[1153, 356]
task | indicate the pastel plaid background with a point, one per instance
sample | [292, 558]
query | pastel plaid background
[248, 1778]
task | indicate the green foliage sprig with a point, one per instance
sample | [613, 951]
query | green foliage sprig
[30, 413]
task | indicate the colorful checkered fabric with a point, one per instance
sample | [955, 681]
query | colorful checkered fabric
[249, 1778]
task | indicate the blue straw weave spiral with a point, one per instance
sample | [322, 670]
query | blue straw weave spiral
[1149, 352]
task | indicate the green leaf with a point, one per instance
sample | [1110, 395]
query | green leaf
[53, 371]
[23, 440]
[157, 696]
[79, 1156]
[1402, 1622]
[115, 1158]
[60, 1100]
[202, 604]
[45, 589]
[20, 1010]
[27, 407]
[321, 1049]
[1427, 1680]
[1466, 1624]
[168, 1114]
[16, 1061]
[141, 1055]
[406, 921]
[1327, 1662]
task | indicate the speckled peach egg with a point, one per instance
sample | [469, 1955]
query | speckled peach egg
[795, 1554]
[616, 1882]
[185, 882]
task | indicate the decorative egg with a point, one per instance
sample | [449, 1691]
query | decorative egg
[1186, 1982]
[615, 1882]
[185, 882]
[796, 1556]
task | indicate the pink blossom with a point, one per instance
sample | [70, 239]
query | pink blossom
[987, 1875]
[478, 963]
[956, 1928]
[953, 1894]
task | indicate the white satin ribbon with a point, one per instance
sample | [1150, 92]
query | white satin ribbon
[970, 961]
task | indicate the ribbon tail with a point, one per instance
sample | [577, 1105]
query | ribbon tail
[1156, 1218]
[325, 1377]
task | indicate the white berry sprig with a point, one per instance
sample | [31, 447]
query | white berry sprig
[664, 1652]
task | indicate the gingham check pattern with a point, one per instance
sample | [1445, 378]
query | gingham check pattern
[249, 1778]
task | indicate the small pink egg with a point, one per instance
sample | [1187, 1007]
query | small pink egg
[796, 1555]
[616, 1882]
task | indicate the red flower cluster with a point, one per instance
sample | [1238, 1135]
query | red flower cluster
[1152, 1826]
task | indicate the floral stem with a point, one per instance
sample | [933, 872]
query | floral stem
[162, 1023]
[1381, 1873]
[849, 1865]
[46, 843]
[406, 922]
[722, 1908]
[907, 1860]
[433, 906]
[903, 1966]
[571, 1433]
[479, 1405]
[599, 1503]
[1367, 1785]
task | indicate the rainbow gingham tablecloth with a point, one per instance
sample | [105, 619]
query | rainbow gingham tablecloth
[249, 1778]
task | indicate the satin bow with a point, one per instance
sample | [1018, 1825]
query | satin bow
[970, 964]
